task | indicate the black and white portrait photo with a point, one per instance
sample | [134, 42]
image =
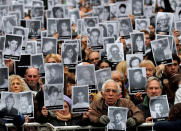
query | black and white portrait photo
[112, 29]
[171, 42]
[91, 21]
[69, 53]
[54, 73]
[138, 7]
[118, 118]
[74, 15]
[115, 52]
[178, 25]
[137, 79]
[30, 47]
[37, 61]
[18, 30]
[101, 76]
[64, 28]
[38, 47]
[142, 24]
[164, 22]
[2, 40]
[44, 33]
[133, 60]
[49, 14]
[37, 11]
[34, 28]
[99, 11]
[26, 104]
[49, 45]
[17, 14]
[122, 9]
[13, 46]
[94, 37]
[159, 107]
[85, 74]
[4, 74]
[1, 59]
[4, 9]
[58, 12]
[8, 23]
[53, 96]
[125, 26]
[37, 3]
[51, 26]
[161, 51]
[178, 14]
[80, 98]
[9, 103]
[19, 8]
[138, 42]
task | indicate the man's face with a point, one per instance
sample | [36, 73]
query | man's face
[158, 108]
[115, 51]
[80, 97]
[118, 118]
[137, 76]
[153, 89]
[9, 103]
[94, 37]
[172, 69]
[24, 103]
[94, 58]
[110, 93]
[32, 77]
[13, 45]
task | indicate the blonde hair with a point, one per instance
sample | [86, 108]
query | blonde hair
[145, 63]
[20, 79]
[122, 68]
[54, 56]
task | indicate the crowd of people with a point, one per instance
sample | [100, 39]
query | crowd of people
[84, 77]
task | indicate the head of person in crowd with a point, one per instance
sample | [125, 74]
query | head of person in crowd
[134, 62]
[32, 78]
[70, 54]
[172, 69]
[177, 45]
[65, 114]
[17, 84]
[174, 85]
[110, 92]
[103, 64]
[153, 87]
[122, 68]
[52, 58]
[150, 67]
[119, 78]
[175, 112]
[122, 9]
[147, 38]
[94, 57]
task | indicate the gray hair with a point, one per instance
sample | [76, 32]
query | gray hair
[121, 74]
[151, 79]
[110, 80]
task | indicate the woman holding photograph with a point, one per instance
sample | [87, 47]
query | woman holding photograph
[69, 55]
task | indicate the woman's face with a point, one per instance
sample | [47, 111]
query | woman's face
[64, 27]
[16, 86]
[139, 43]
[66, 109]
[70, 53]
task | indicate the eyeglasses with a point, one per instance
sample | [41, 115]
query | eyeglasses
[94, 59]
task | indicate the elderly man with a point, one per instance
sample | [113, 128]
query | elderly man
[94, 57]
[97, 112]
[153, 88]
[32, 79]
